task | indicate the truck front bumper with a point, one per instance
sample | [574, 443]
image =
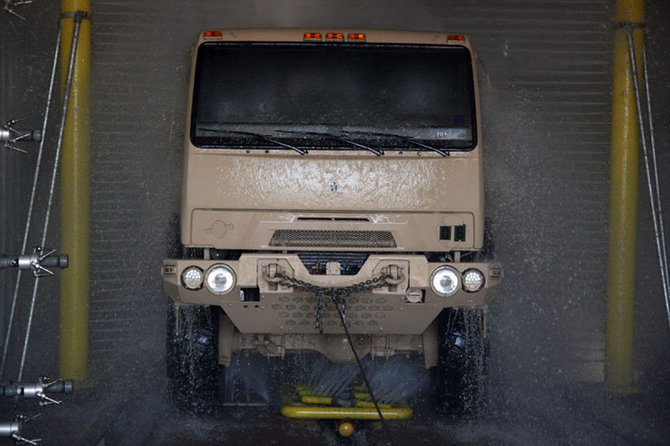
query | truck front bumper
[256, 304]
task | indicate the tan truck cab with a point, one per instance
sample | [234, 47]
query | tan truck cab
[319, 160]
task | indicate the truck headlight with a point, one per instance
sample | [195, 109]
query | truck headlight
[220, 279]
[473, 280]
[445, 281]
[192, 278]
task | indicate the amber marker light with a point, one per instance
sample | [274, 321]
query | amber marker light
[356, 36]
[212, 34]
[456, 37]
[312, 36]
[334, 36]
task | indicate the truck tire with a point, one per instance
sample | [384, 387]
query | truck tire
[192, 358]
[461, 373]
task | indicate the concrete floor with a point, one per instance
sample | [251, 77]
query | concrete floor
[142, 414]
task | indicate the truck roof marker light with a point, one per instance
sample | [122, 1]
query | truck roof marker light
[356, 36]
[312, 36]
[334, 36]
[456, 37]
[212, 34]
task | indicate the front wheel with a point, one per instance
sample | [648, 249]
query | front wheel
[192, 357]
[461, 374]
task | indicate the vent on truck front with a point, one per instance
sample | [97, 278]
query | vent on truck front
[292, 238]
[345, 219]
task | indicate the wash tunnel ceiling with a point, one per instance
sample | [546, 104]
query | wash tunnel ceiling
[544, 71]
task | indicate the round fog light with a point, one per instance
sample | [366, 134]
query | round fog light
[473, 280]
[445, 281]
[192, 278]
[220, 279]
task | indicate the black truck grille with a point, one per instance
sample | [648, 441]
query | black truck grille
[332, 239]
[350, 262]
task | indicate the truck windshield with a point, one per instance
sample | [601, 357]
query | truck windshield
[329, 95]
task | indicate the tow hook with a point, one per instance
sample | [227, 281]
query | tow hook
[395, 271]
[270, 272]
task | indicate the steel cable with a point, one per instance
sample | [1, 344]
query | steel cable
[652, 182]
[66, 100]
[654, 167]
[36, 175]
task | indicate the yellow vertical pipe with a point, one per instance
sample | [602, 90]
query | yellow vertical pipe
[619, 363]
[75, 201]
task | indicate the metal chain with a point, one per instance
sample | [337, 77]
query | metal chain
[338, 295]
[318, 311]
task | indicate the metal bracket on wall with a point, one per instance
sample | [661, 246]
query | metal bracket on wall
[39, 390]
[9, 135]
[9, 6]
[37, 262]
[12, 429]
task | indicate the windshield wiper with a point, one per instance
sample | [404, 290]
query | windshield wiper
[377, 152]
[403, 138]
[256, 135]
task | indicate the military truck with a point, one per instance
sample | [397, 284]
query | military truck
[332, 180]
